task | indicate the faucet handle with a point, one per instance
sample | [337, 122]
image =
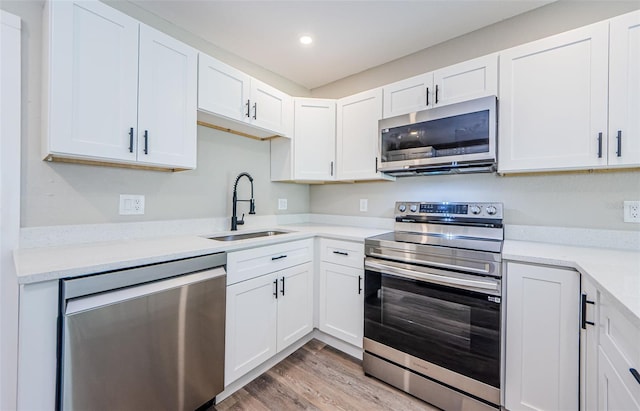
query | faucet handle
[241, 221]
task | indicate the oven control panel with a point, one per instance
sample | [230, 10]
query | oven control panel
[475, 210]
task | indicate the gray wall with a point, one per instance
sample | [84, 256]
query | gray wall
[56, 193]
[590, 200]
[568, 200]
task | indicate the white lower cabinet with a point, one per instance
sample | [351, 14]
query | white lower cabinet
[618, 358]
[589, 320]
[269, 311]
[613, 393]
[542, 338]
[341, 290]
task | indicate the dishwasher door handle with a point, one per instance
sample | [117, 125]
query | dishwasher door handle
[91, 302]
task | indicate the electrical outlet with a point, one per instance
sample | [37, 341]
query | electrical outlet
[282, 204]
[363, 204]
[632, 211]
[131, 204]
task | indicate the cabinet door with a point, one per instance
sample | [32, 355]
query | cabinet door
[271, 109]
[357, 135]
[613, 394]
[589, 346]
[168, 96]
[409, 95]
[542, 338]
[295, 304]
[92, 81]
[342, 302]
[553, 102]
[250, 337]
[465, 81]
[624, 91]
[222, 89]
[314, 139]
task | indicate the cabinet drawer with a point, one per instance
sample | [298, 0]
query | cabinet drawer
[247, 264]
[619, 340]
[347, 253]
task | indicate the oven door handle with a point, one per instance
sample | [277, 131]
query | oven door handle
[467, 284]
[445, 266]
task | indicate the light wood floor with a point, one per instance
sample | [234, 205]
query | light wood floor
[319, 377]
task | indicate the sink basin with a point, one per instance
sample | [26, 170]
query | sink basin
[244, 236]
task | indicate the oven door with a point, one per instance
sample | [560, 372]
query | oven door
[448, 323]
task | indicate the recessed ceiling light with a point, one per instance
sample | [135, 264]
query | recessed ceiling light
[306, 40]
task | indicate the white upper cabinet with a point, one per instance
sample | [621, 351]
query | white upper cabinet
[408, 96]
[624, 90]
[92, 81]
[93, 107]
[553, 102]
[255, 107]
[167, 95]
[271, 109]
[314, 139]
[222, 89]
[464, 81]
[357, 136]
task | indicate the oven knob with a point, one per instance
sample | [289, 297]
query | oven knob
[491, 210]
[413, 208]
[474, 209]
[402, 208]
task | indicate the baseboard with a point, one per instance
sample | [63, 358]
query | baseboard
[338, 344]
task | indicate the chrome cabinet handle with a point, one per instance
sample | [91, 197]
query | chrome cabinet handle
[248, 105]
[255, 111]
[331, 169]
[146, 141]
[282, 291]
[619, 137]
[275, 283]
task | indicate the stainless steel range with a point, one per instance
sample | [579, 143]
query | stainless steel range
[433, 304]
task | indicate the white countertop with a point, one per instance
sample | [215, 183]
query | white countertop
[616, 272]
[52, 263]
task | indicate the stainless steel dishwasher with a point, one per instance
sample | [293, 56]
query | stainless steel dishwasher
[146, 338]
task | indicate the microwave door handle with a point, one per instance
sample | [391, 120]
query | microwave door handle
[435, 279]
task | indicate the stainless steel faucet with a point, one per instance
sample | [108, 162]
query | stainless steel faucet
[252, 205]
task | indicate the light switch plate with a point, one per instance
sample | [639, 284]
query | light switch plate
[282, 204]
[131, 204]
[364, 206]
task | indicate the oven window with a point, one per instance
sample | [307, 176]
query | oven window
[462, 134]
[455, 329]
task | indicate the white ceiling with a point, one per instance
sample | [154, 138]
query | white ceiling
[349, 36]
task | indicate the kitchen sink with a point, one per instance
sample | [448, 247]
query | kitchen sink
[244, 236]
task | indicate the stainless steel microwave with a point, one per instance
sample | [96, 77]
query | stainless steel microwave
[457, 138]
